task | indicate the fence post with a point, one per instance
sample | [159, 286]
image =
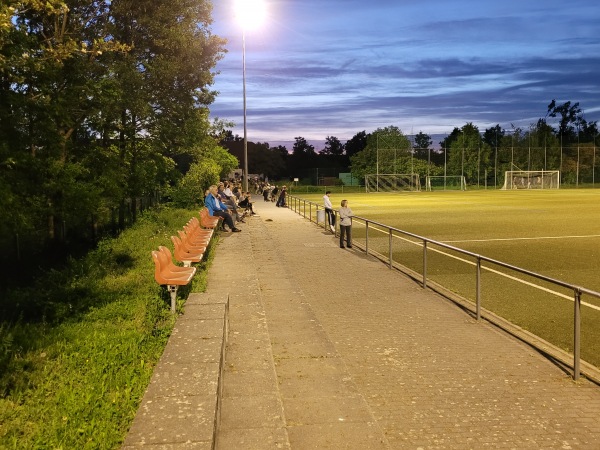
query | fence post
[390, 252]
[478, 289]
[424, 264]
[577, 335]
[367, 237]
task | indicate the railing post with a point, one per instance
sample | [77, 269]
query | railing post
[390, 251]
[367, 237]
[478, 289]
[424, 264]
[577, 335]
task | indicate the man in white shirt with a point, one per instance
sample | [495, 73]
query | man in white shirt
[329, 211]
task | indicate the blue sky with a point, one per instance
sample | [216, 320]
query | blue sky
[319, 68]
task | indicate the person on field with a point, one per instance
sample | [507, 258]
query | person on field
[345, 224]
[329, 211]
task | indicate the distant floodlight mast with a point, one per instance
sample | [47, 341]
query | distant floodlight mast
[250, 14]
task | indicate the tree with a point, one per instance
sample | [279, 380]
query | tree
[120, 85]
[387, 151]
[468, 155]
[333, 154]
[333, 147]
[570, 118]
[493, 136]
[303, 154]
[356, 144]
[422, 146]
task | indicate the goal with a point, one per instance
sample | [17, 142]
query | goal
[392, 182]
[444, 183]
[531, 179]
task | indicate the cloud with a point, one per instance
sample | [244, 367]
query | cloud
[339, 67]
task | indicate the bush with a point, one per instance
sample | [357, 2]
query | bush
[192, 186]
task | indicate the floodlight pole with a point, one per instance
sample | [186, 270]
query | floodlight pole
[244, 95]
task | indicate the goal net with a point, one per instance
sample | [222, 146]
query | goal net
[531, 179]
[392, 182]
[448, 182]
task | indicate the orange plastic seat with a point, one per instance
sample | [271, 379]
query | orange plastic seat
[208, 221]
[189, 245]
[187, 257]
[193, 227]
[194, 239]
[164, 274]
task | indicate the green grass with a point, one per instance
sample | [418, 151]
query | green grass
[553, 233]
[75, 378]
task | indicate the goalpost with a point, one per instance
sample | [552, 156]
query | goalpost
[445, 182]
[531, 179]
[392, 182]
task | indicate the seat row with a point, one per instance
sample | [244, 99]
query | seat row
[188, 247]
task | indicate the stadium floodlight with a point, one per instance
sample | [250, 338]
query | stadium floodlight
[250, 14]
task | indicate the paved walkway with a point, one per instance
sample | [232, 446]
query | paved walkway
[329, 349]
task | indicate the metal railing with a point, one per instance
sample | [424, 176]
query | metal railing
[306, 207]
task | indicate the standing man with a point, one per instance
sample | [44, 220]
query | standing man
[345, 224]
[329, 211]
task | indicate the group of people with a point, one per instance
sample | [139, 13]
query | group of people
[273, 193]
[227, 200]
[345, 219]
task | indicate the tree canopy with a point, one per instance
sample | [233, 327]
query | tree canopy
[100, 104]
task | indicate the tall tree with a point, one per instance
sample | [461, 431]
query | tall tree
[422, 145]
[571, 117]
[333, 147]
[303, 154]
[469, 155]
[120, 85]
[388, 150]
[333, 153]
[356, 143]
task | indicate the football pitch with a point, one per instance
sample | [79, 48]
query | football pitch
[555, 233]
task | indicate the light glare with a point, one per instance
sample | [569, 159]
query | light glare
[250, 13]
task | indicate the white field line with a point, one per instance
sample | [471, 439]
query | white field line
[550, 291]
[523, 238]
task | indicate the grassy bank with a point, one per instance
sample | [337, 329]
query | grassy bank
[74, 376]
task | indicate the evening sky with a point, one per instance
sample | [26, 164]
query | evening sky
[318, 68]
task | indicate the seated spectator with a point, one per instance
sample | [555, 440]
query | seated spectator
[237, 192]
[229, 200]
[217, 208]
[281, 200]
[247, 203]
[274, 193]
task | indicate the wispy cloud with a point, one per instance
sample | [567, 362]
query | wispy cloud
[337, 67]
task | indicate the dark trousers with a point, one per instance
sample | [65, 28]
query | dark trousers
[330, 216]
[346, 230]
[227, 219]
[246, 205]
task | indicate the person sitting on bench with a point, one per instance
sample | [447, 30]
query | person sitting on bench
[217, 208]
[246, 203]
